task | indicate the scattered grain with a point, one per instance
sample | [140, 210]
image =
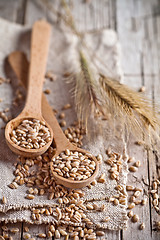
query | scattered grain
[135, 218]
[42, 235]
[102, 178]
[57, 234]
[30, 196]
[63, 123]
[62, 115]
[26, 236]
[107, 219]
[4, 200]
[133, 169]
[26, 229]
[51, 76]
[116, 202]
[99, 233]
[129, 188]
[155, 185]
[144, 201]
[99, 158]
[130, 214]
[142, 226]
[67, 106]
[130, 159]
[142, 89]
[132, 205]
[2, 238]
[137, 193]
[137, 164]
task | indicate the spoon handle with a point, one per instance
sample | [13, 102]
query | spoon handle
[20, 66]
[39, 50]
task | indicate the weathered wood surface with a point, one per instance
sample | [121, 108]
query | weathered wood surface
[137, 23]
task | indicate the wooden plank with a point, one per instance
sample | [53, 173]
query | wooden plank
[152, 67]
[8, 9]
[12, 10]
[134, 25]
[37, 9]
[11, 226]
[34, 230]
[131, 30]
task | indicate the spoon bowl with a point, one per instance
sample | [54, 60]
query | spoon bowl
[73, 183]
[14, 123]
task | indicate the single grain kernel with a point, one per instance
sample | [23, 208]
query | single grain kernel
[14, 230]
[63, 123]
[26, 229]
[129, 188]
[4, 200]
[51, 76]
[30, 196]
[89, 206]
[49, 234]
[107, 219]
[102, 178]
[57, 234]
[142, 89]
[132, 205]
[144, 201]
[135, 218]
[42, 235]
[137, 164]
[99, 158]
[62, 115]
[130, 159]
[133, 169]
[47, 91]
[62, 232]
[99, 233]
[116, 202]
[137, 193]
[142, 226]
[155, 185]
[67, 106]
[26, 236]
[130, 214]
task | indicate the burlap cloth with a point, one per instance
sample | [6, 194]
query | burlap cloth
[62, 57]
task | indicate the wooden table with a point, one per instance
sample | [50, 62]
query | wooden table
[137, 23]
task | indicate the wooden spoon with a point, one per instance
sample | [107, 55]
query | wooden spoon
[39, 50]
[19, 64]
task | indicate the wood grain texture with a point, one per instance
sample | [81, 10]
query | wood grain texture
[138, 33]
[137, 23]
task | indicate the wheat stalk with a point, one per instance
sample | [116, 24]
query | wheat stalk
[87, 94]
[129, 106]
